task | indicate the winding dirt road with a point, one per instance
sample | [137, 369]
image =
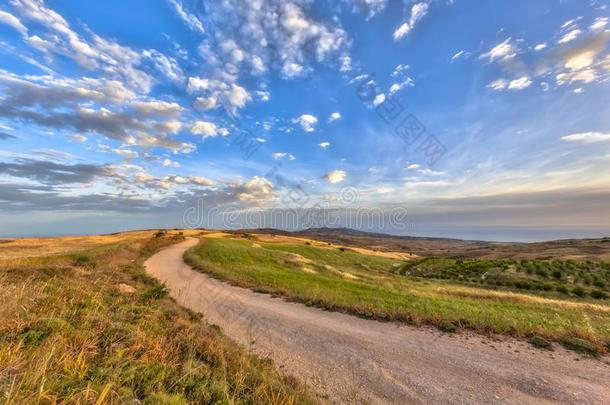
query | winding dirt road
[345, 359]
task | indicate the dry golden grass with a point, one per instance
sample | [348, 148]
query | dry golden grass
[69, 333]
[13, 248]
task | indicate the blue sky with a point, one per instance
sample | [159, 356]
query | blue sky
[131, 114]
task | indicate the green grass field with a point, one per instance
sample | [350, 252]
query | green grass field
[377, 287]
[91, 327]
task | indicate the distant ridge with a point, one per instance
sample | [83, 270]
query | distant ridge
[574, 249]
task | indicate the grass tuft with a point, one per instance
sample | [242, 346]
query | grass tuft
[540, 343]
[447, 326]
[580, 346]
[156, 292]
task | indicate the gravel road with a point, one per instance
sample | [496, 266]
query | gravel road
[345, 359]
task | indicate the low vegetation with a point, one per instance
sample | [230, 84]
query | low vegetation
[382, 288]
[92, 327]
[565, 277]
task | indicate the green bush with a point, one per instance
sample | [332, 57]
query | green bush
[540, 343]
[562, 289]
[155, 293]
[447, 326]
[599, 283]
[599, 295]
[580, 345]
[579, 292]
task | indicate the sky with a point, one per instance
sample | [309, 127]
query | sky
[456, 118]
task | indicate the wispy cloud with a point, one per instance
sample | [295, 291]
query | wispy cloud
[418, 11]
[587, 137]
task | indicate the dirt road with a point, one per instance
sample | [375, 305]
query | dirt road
[345, 359]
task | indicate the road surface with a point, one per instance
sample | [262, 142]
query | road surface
[345, 359]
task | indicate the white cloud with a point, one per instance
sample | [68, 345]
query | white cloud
[78, 138]
[370, 7]
[400, 70]
[170, 163]
[207, 129]
[200, 181]
[12, 21]
[263, 95]
[128, 154]
[570, 36]
[334, 117]
[257, 189]
[168, 66]
[97, 54]
[520, 83]
[307, 122]
[540, 47]
[324, 145]
[293, 69]
[396, 87]
[379, 99]
[237, 96]
[413, 166]
[205, 103]
[346, 63]
[272, 35]
[588, 137]
[189, 19]
[156, 107]
[584, 76]
[232, 95]
[570, 23]
[599, 24]
[282, 155]
[336, 176]
[429, 172]
[501, 52]
[91, 106]
[458, 55]
[418, 11]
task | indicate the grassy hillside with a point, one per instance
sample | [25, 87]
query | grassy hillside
[92, 327]
[378, 287]
[569, 249]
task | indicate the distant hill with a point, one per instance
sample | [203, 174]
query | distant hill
[576, 249]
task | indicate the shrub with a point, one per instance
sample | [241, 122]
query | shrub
[562, 289]
[82, 260]
[580, 345]
[540, 343]
[447, 326]
[599, 283]
[556, 274]
[579, 292]
[161, 233]
[599, 294]
[155, 293]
